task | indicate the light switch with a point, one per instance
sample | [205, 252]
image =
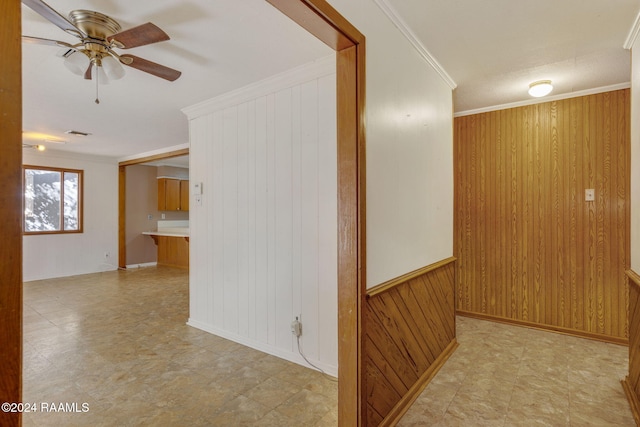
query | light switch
[589, 195]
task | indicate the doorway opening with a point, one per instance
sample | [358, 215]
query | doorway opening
[122, 196]
[324, 22]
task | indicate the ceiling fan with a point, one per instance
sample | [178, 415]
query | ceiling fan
[99, 36]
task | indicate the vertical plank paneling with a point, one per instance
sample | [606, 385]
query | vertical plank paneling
[297, 244]
[266, 236]
[327, 203]
[242, 224]
[310, 181]
[215, 309]
[530, 248]
[283, 216]
[252, 221]
[229, 223]
[271, 277]
[261, 217]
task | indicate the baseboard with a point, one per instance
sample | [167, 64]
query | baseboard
[634, 404]
[394, 416]
[265, 348]
[142, 265]
[548, 328]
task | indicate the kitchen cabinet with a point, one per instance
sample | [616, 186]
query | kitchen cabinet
[184, 195]
[173, 251]
[173, 194]
[173, 248]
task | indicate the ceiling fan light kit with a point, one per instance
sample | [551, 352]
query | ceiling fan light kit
[112, 68]
[77, 62]
[100, 35]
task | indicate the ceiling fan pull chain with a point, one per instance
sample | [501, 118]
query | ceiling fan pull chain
[97, 77]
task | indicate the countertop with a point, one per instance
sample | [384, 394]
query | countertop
[169, 232]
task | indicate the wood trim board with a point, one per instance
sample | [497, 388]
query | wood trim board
[11, 210]
[543, 327]
[383, 287]
[631, 384]
[323, 21]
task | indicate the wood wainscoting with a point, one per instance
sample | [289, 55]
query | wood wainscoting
[409, 333]
[631, 384]
[530, 249]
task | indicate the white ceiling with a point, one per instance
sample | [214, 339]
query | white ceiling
[219, 45]
[492, 49]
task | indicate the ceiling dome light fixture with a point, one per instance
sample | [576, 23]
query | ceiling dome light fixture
[38, 147]
[540, 88]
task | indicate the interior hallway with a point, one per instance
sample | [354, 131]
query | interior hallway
[119, 342]
[503, 375]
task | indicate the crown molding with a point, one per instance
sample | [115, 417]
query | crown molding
[391, 13]
[633, 33]
[313, 70]
[544, 99]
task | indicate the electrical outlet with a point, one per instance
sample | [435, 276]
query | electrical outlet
[296, 327]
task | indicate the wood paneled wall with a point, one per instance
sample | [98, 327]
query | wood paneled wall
[530, 248]
[409, 333]
[631, 384]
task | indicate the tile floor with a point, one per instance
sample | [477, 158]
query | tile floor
[504, 375]
[118, 341]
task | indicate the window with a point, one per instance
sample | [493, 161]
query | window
[52, 200]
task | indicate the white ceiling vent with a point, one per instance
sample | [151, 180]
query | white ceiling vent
[76, 133]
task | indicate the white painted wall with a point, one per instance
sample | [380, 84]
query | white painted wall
[635, 156]
[409, 131]
[61, 255]
[263, 246]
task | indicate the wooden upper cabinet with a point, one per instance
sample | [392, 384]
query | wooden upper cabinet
[162, 185]
[184, 195]
[173, 194]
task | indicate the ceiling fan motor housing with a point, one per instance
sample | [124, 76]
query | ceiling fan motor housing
[97, 27]
[95, 24]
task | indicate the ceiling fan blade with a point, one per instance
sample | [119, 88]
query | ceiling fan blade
[50, 14]
[38, 40]
[139, 36]
[87, 74]
[150, 67]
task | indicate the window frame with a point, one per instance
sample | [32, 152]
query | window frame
[62, 171]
